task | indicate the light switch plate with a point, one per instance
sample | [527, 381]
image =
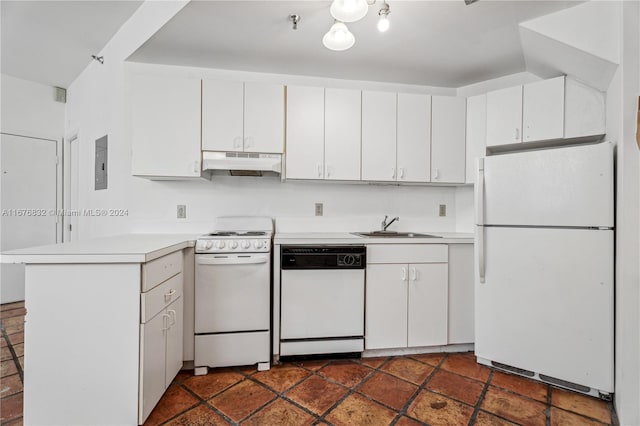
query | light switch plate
[442, 211]
[319, 209]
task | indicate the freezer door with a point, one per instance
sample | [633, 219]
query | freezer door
[547, 303]
[570, 186]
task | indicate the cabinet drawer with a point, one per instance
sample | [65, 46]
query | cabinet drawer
[161, 269]
[407, 253]
[155, 300]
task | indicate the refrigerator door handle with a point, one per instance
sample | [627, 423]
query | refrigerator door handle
[481, 260]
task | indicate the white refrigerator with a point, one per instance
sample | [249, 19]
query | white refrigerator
[545, 265]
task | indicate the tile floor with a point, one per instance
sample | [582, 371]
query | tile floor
[433, 389]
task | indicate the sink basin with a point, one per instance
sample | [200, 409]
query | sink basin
[394, 234]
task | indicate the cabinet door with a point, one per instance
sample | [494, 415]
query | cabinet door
[476, 133]
[414, 138]
[165, 123]
[152, 363]
[222, 115]
[386, 307]
[504, 116]
[174, 334]
[342, 131]
[461, 293]
[263, 117]
[378, 136]
[543, 110]
[305, 132]
[427, 300]
[448, 122]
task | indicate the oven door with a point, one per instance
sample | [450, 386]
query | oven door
[232, 293]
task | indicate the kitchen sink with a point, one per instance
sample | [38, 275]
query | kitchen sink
[394, 234]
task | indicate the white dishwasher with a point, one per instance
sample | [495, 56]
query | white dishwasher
[322, 299]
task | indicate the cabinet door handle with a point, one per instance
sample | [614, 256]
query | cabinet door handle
[237, 142]
[414, 274]
[248, 142]
[436, 175]
[172, 317]
[517, 134]
[169, 295]
[401, 171]
[328, 171]
[165, 318]
[404, 274]
[393, 173]
[196, 166]
[319, 170]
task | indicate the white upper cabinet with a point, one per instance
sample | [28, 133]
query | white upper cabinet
[504, 116]
[414, 138]
[263, 117]
[476, 133]
[165, 127]
[305, 132]
[222, 115]
[547, 112]
[448, 123]
[543, 110]
[242, 117]
[378, 136]
[342, 131]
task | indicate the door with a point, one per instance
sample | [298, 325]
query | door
[166, 126]
[28, 185]
[448, 122]
[263, 118]
[551, 289]
[222, 115]
[232, 293]
[321, 303]
[378, 136]
[305, 132]
[476, 134]
[427, 304]
[504, 116]
[174, 340]
[386, 321]
[152, 363]
[414, 138]
[543, 110]
[342, 131]
[570, 186]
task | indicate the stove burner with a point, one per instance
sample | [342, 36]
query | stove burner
[237, 234]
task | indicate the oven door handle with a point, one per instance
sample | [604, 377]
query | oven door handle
[252, 260]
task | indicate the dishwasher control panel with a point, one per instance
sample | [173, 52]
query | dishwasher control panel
[323, 257]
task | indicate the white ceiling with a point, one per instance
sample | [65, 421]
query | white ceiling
[438, 43]
[51, 42]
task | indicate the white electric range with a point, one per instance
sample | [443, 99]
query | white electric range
[233, 294]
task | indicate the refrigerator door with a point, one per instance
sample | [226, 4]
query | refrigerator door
[547, 303]
[570, 186]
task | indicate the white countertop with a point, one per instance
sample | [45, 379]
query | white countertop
[349, 238]
[127, 248]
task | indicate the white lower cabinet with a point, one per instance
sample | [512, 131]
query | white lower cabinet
[406, 303]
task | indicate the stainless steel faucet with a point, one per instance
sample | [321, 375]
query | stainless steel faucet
[384, 225]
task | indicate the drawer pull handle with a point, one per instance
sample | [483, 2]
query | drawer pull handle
[169, 295]
[172, 317]
[166, 317]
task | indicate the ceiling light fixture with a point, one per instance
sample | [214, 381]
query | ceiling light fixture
[383, 22]
[338, 37]
[349, 10]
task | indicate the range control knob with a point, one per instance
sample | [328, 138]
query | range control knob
[233, 244]
[219, 244]
[257, 244]
[245, 244]
[208, 245]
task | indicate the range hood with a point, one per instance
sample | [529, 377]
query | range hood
[242, 163]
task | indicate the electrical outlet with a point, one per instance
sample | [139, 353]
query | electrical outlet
[442, 211]
[181, 211]
[319, 208]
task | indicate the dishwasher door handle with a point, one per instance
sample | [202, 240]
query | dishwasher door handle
[252, 260]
